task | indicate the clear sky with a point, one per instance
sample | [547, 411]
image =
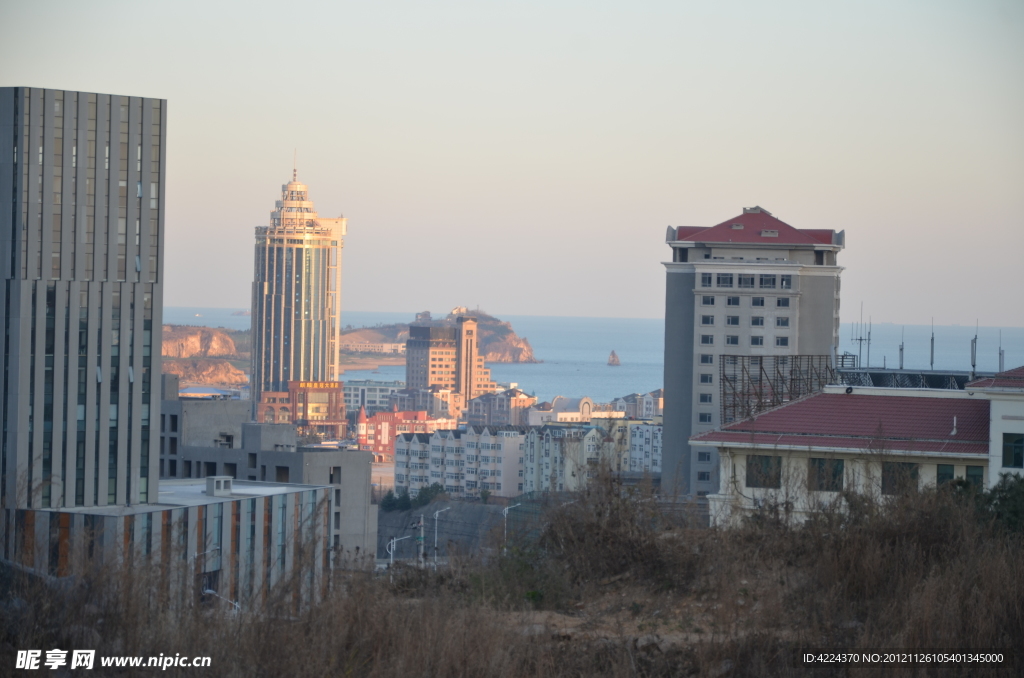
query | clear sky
[527, 156]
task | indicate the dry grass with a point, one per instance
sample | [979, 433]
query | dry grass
[610, 588]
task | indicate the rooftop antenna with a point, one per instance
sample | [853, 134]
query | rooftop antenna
[974, 349]
[932, 363]
[869, 341]
[859, 339]
[902, 333]
[1002, 355]
[295, 165]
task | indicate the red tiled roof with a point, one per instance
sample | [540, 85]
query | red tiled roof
[852, 421]
[1009, 379]
[753, 224]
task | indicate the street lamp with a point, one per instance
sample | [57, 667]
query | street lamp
[391, 553]
[505, 513]
[192, 575]
[436, 514]
[211, 592]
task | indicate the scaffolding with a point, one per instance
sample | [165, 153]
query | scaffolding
[752, 384]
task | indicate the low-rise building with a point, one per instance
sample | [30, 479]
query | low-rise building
[561, 409]
[802, 456]
[369, 347]
[504, 408]
[370, 394]
[641, 405]
[313, 407]
[377, 434]
[436, 401]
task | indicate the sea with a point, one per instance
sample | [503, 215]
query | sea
[575, 350]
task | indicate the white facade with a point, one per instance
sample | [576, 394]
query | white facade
[562, 458]
[464, 462]
[373, 395]
[644, 448]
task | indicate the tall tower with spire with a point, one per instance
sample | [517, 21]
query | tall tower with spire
[296, 294]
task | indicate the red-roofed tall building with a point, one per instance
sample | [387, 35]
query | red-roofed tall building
[750, 288]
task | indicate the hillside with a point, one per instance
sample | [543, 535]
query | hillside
[209, 356]
[499, 342]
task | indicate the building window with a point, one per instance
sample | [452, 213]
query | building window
[747, 282]
[943, 474]
[705, 398]
[764, 471]
[704, 418]
[1013, 450]
[782, 322]
[757, 321]
[724, 280]
[782, 302]
[707, 339]
[707, 359]
[732, 320]
[825, 475]
[767, 282]
[704, 476]
[757, 301]
[707, 320]
[786, 282]
[976, 475]
[705, 280]
[781, 341]
[732, 340]
[898, 477]
[732, 301]
[703, 456]
[707, 301]
[706, 378]
[757, 341]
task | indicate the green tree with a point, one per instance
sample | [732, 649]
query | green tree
[389, 502]
[403, 503]
[485, 495]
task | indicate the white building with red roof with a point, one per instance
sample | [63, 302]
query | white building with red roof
[750, 291]
[803, 456]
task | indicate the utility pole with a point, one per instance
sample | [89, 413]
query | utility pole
[420, 543]
[504, 512]
[436, 514]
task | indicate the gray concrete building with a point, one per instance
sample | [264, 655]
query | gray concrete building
[81, 235]
[296, 294]
[203, 438]
[747, 293]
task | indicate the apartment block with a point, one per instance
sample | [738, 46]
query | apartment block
[465, 462]
[744, 293]
[377, 434]
[562, 458]
[313, 407]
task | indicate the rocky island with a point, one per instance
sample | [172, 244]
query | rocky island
[215, 356]
[499, 343]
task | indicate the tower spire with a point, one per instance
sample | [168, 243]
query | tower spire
[295, 165]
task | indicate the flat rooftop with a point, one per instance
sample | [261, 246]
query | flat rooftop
[185, 492]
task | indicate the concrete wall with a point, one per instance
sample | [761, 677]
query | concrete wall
[680, 283]
[818, 303]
